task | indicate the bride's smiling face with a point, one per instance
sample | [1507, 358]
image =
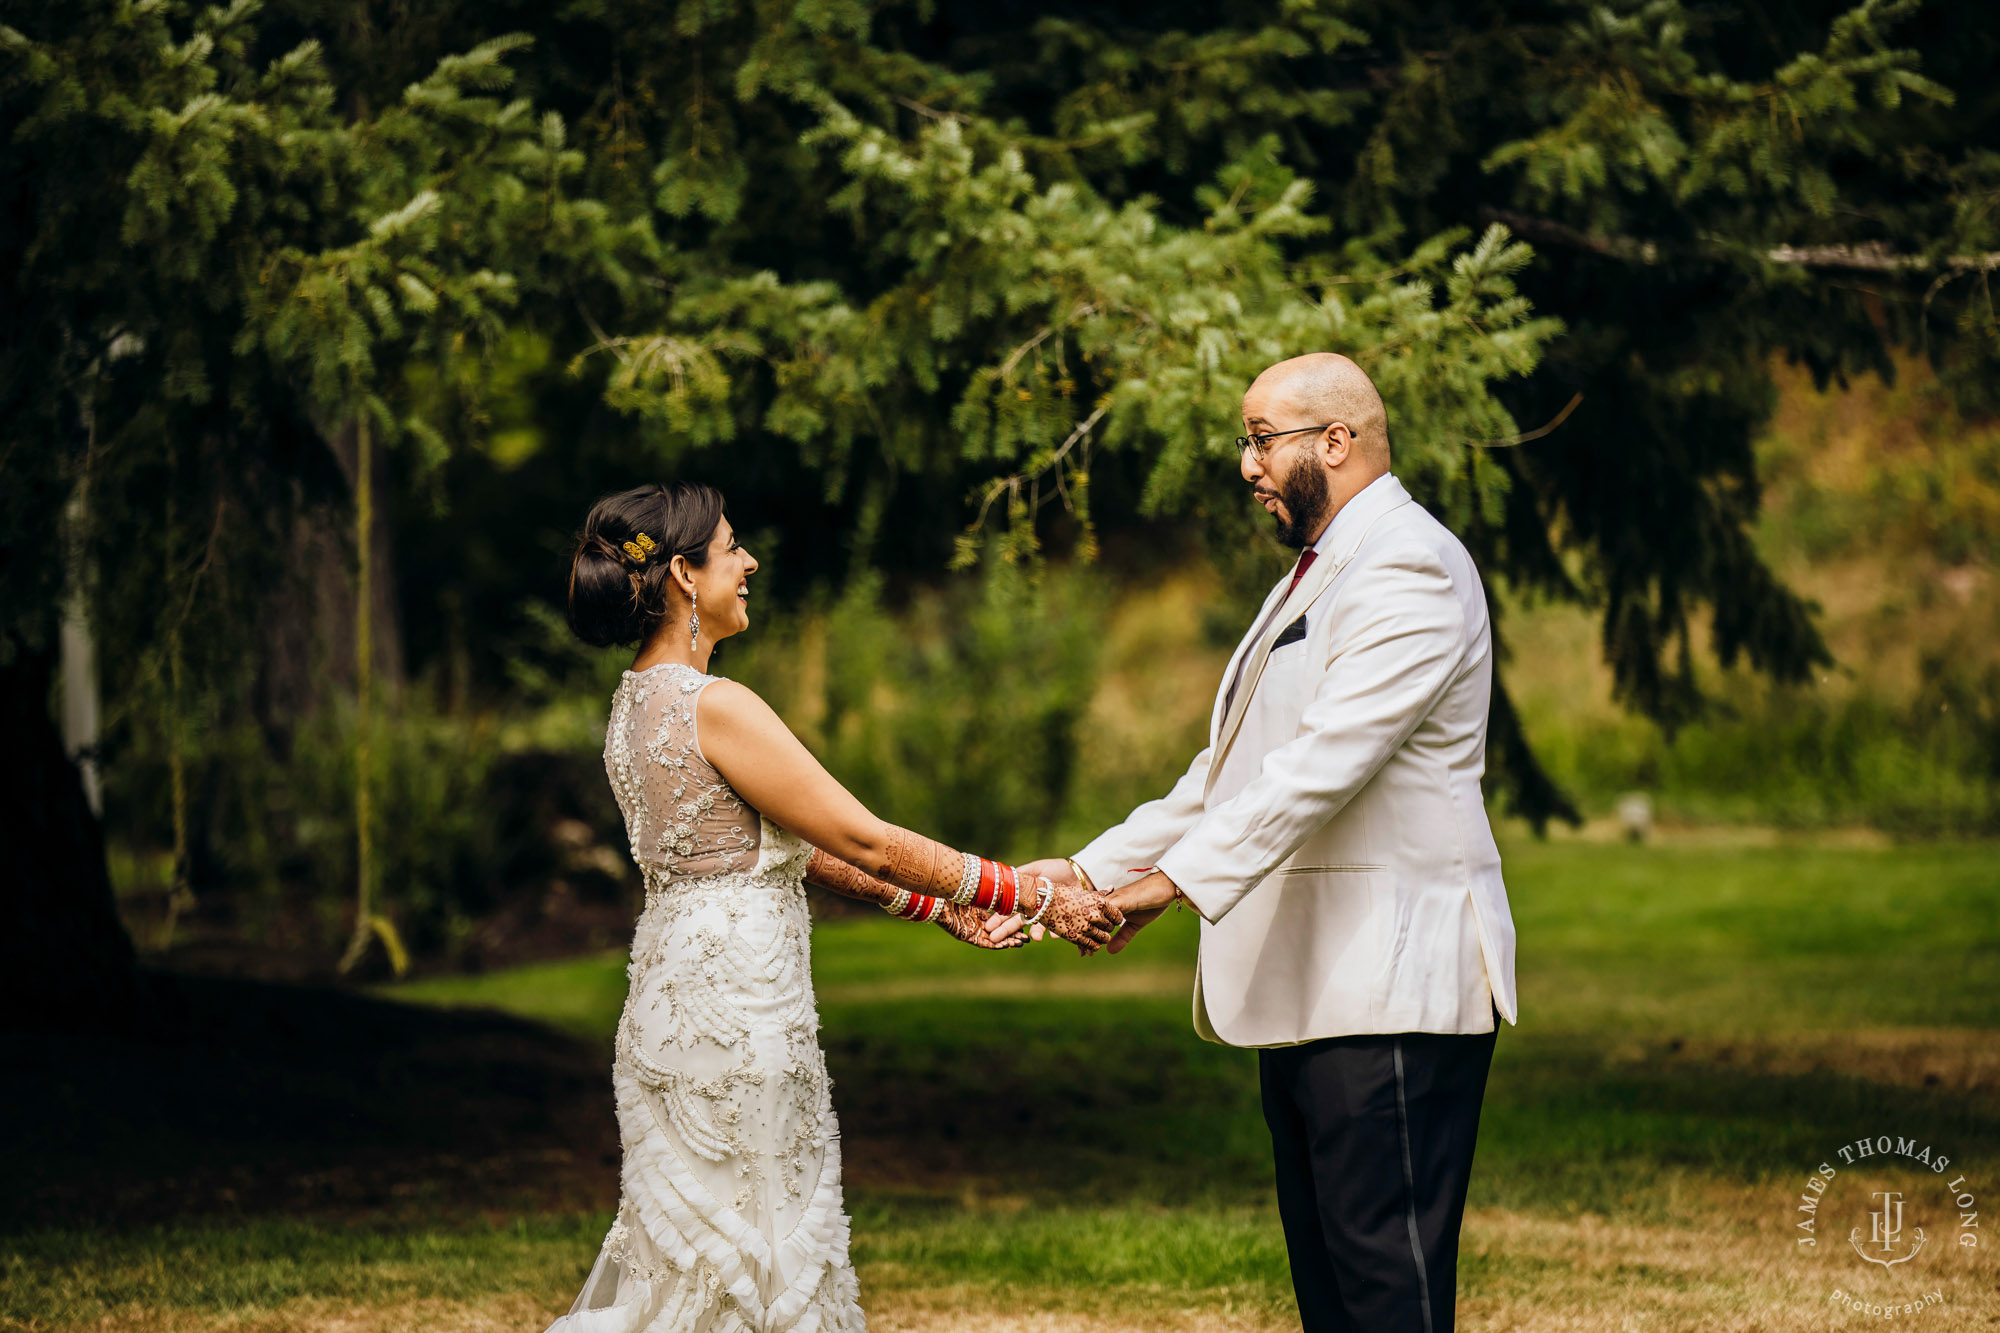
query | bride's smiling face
[722, 586]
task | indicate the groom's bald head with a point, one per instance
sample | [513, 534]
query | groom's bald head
[1328, 388]
[1324, 438]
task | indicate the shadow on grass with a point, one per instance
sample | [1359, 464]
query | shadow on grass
[1121, 1104]
[292, 1102]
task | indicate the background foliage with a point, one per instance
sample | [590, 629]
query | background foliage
[887, 270]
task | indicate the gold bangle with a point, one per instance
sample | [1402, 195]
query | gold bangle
[1082, 875]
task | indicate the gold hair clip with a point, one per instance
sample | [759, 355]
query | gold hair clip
[640, 547]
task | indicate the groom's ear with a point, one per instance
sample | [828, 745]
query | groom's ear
[1336, 444]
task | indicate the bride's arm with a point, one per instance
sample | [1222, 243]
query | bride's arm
[757, 755]
[961, 923]
[836, 876]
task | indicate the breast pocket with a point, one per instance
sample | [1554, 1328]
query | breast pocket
[1282, 682]
[1283, 690]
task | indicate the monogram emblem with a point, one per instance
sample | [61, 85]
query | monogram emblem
[1885, 1229]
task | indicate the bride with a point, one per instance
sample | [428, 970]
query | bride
[730, 1216]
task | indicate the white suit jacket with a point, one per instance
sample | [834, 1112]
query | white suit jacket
[1332, 835]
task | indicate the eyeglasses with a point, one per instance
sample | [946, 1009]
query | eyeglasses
[1258, 445]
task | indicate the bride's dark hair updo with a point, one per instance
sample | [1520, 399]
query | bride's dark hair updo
[618, 588]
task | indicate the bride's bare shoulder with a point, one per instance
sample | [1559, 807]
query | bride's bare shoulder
[733, 706]
[745, 738]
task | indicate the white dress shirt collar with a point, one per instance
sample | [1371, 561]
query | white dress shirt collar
[1378, 497]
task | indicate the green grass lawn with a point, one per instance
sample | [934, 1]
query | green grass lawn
[1035, 1131]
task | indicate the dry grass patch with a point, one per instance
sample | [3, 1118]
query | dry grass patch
[971, 1310]
[513, 1312]
[1737, 1271]
[1957, 1060]
[1740, 1273]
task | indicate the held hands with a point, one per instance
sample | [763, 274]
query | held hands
[1140, 904]
[1003, 928]
[1085, 919]
[958, 902]
[1082, 917]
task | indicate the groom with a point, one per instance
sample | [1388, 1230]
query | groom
[1332, 837]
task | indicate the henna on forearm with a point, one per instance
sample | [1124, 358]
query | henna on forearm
[836, 876]
[912, 861]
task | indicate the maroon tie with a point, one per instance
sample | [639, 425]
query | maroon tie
[1305, 563]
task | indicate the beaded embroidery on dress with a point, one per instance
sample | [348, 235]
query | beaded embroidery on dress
[730, 1218]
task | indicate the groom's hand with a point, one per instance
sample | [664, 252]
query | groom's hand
[1002, 928]
[1141, 901]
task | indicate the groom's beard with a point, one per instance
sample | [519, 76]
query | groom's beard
[1305, 497]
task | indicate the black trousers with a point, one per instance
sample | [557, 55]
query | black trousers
[1373, 1137]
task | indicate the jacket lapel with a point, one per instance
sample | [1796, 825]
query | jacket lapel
[1317, 580]
[1248, 643]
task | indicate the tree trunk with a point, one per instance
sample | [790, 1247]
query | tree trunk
[305, 654]
[66, 963]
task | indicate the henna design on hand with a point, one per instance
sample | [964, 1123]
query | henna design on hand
[968, 923]
[836, 876]
[1085, 919]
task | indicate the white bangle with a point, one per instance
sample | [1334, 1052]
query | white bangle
[1048, 893]
[895, 906]
[968, 880]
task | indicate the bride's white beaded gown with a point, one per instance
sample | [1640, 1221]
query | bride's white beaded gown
[730, 1217]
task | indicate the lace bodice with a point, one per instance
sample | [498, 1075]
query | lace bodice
[680, 814]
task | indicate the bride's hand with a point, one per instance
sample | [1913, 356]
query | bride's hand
[1085, 919]
[1006, 927]
[968, 923]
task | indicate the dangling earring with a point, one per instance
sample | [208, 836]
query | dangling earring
[694, 621]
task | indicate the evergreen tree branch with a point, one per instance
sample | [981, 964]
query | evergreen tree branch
[1862, 256]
